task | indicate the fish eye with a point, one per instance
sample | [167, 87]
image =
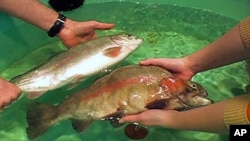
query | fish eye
[193, 85]
[128, 35]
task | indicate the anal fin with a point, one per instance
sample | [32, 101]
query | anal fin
[80, 125]
[35, 94]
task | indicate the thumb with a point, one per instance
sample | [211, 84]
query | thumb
[154, 61]
[105, 25]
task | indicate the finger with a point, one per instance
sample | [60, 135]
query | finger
[9, 101]
[4, 103]
[130, 118]
[154, 61]
[1, 105]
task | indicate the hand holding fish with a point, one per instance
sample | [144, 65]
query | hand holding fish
[207, 118]
[8, 92]
[74, 33]
[217, 117]
[154, 117]
[177, 67]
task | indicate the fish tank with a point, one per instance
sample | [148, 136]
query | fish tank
[169, 28]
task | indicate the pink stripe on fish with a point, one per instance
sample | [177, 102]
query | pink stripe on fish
[118, 85]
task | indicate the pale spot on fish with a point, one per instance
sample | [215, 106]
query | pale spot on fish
[124, 103]
[135, 96]
[112, 52]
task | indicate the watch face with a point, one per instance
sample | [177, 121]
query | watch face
[65, 5]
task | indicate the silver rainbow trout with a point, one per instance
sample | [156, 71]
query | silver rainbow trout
[77, 63]
[126, 90]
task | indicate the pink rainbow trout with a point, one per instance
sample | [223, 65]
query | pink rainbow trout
[125, 91]
[77, 64]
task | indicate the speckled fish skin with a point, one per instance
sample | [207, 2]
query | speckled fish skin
[127, 90]
[77, 64]
[131, 90]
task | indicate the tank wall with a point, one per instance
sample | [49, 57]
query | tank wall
[231, 8]
[15, 34]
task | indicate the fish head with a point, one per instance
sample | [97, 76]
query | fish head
[187, 92]
[195, 95]
[128, 40]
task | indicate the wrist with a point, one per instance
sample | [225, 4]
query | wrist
[190, 67]
[170, 119]
[66, 29]
[57, 26]
[68, 34]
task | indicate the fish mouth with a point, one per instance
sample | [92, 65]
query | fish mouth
[126, 39]
[196, 101]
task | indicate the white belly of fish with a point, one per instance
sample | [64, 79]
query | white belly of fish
[65, 75]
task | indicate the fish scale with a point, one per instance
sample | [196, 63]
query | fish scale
[77, 64]
[125, 91]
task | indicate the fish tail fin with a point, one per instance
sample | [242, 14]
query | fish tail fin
[40, 117]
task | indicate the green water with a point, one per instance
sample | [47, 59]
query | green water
[168, 31]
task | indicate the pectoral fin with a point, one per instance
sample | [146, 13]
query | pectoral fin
[116, 115]
[159, 104]
[35, 94]
[80, 125]
[115, 123]
[114, 118]
[167, 104]
[112, 52]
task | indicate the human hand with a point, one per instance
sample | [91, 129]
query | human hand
[74, 33]
[8, 93]
[153, 117]
[177, 66]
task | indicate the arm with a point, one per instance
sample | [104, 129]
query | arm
[43, 17]
[31, 11]
[212, 118]
[228, 49]
[234, 46]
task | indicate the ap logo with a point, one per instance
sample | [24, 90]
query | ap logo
[239, 132]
